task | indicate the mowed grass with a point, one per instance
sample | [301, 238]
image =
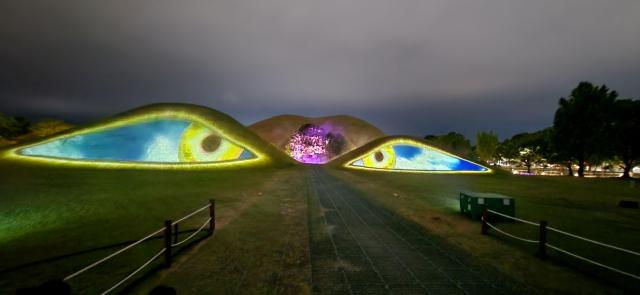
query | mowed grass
[51, 218]
[263, 250]
[587, 207]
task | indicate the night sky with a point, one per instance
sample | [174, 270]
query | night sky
[410, 67]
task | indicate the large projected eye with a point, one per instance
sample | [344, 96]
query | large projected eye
[199, 144]
[156, 141]
[384, 158]
[414, 156]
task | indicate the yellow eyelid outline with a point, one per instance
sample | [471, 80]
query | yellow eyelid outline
[220, 123]
[394, 140]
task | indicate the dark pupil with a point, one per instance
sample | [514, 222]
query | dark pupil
[379, 156]
[211, 143]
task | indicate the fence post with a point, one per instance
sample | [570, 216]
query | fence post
[167, 243]
[542, 245]
[175, 233]
[212, 215]
[485, 227]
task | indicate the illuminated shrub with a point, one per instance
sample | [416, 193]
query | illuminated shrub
[312, 144]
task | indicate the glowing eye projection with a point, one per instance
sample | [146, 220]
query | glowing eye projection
[416, 157]
[156, 141]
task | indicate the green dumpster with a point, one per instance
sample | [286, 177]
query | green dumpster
[473, 204]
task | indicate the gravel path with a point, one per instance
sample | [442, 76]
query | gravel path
[360, 248]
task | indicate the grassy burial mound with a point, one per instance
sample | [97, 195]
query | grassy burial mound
[278, 130]
[60, 213]
[406, 154]
[158, 136]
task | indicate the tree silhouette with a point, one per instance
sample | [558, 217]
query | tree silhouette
[11, 127]
[583, 124]
[553, 154]
[626, 126]
[529, 156]
[486, 145]
[527, 148]
[452, 141]
[44, 128]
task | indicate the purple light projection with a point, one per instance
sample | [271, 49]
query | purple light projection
[313, 144]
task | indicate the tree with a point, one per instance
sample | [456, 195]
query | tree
[527, 148]
[45, 128]
[553, 154]
[486, 145]
[452, 141]
[508, 149]
[529, 156]
[583, 123]
[11, 127]
[626, 125]
[18, 129]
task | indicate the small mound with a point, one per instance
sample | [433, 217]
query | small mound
[406, 154]
[356, 132]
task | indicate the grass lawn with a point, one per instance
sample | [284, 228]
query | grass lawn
[586, 207]
[261, 244]
[48, 212]
[262, 249]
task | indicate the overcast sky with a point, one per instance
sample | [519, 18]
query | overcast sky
[410, 67]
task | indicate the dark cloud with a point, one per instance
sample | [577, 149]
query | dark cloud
[408, 66]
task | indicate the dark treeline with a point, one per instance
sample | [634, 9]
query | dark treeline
[592, 126]
[18, 129]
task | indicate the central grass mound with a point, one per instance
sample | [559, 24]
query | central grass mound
[278, 130]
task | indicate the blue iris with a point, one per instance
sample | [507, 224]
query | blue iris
[406, 151]
[153, 141]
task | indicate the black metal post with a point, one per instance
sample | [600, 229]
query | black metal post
[167, 243]
[542, 245]
[212, 215]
